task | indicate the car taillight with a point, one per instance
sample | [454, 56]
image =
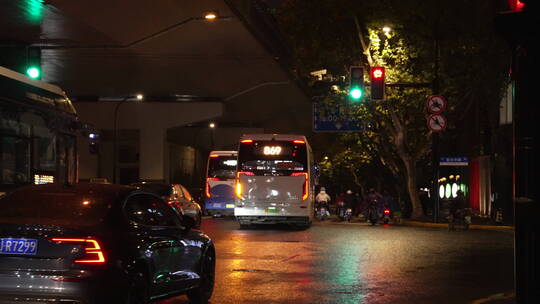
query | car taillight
[305, 186]
[208, 179]
[386, 211]
[92, 250]
[238, 185]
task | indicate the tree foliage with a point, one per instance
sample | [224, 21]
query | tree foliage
[449, 41]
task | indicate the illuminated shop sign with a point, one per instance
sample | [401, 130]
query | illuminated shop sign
[43, 179]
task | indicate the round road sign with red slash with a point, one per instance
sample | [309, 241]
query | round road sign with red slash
[436, 104]
[436, 122]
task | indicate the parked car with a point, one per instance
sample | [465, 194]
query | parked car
[177, 196]
[198, 196]
[99, 243]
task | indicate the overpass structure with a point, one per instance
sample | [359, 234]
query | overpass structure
[230, 70]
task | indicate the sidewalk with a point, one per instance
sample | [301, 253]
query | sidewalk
[429, 223]
[478, 223]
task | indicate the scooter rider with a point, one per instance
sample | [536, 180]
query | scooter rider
[374, 202]
[323, 199]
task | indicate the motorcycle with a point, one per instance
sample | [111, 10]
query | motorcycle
[340, 211]
[373, 214]
[387, 216]
[322, 212]
[347, 216]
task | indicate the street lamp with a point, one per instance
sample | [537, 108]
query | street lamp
[137, 97]
[212, 126]
[210, 16]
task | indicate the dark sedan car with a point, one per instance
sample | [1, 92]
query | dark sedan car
[177, 196]
[99, 243]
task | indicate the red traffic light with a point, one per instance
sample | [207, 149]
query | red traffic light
[377, 83]
[377, 73]
[516, 5]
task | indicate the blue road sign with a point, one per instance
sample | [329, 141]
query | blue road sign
[454, 161]
[331, 118]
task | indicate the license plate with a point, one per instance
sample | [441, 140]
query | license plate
[18, 246]
[217, 205]
[229, 205]
[272, 210]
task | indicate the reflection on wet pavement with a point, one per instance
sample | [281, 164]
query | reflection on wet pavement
[356, 264]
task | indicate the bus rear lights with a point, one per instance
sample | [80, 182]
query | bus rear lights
[214, 156]
[238, 185]
[238, 189]
[305, 186]
[299, 142]
[208, 179]
[248, 173]
[92, 250]
[246, 141]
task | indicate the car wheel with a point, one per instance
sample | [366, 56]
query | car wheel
[203, 292]
[138, 289]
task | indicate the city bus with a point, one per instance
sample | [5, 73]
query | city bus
[38, 129]
[274, 180]
[219, 188]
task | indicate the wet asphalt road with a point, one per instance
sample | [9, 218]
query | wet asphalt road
[356, 263]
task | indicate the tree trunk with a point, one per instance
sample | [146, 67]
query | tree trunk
[412, 188]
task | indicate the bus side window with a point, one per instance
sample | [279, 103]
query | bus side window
[15, 156]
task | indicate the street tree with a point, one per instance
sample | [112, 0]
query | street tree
[448, 44]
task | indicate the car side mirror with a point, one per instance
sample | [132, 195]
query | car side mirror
[188, 222]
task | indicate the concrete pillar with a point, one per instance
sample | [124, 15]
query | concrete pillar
[152, 153]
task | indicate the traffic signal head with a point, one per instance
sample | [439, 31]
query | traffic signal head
[356, 89]
[377, 83]
[33, 63]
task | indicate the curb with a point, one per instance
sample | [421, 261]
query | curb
[405, 222]
[445, 225]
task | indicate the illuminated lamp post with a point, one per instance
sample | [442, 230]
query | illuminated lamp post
[137, 97]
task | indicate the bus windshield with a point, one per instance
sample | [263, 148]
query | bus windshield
[222, 166]
[272, 157]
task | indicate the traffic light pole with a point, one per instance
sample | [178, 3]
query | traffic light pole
[524, 68]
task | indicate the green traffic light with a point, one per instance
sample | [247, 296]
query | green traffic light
[33, 72]
[355, 93]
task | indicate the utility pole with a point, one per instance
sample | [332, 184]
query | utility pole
[435, 138]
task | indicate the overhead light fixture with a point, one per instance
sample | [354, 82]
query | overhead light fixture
[210, 16]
